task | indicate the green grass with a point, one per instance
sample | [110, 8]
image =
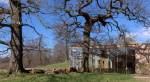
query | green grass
[72, 77]
[58, 65]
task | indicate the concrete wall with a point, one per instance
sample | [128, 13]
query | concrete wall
[75, 57]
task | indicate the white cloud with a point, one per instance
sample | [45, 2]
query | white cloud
[4, 1]
[144, 32]
[141, 34]
[131, 34]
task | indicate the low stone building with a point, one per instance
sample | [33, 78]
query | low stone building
[132, 58]
[96, 60]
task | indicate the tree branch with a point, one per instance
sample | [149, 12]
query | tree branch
[4, 43]
[84, 14]
[4, 52]
[4, 25]
[32, 28]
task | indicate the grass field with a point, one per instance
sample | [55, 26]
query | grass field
[72, 77]
[58, 65]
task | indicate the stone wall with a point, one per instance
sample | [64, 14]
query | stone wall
[142, 60]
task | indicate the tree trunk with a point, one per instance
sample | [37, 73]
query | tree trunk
[16, 61]
[86, 46]
[67, 55]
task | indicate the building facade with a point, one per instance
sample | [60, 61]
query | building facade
[133, 58]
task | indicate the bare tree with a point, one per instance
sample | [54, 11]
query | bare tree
[59, 52]
[66, 34]
[16, 37]
[13, 19]
[104, 13]
[35, 53]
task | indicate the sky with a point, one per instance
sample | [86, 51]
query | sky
[140, 32]
[4, 1]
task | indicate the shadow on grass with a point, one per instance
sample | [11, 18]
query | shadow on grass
[90, 77]
[71, 77]
[84, 77]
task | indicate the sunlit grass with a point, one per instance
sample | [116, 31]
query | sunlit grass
[72, 77]
[57, 65]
